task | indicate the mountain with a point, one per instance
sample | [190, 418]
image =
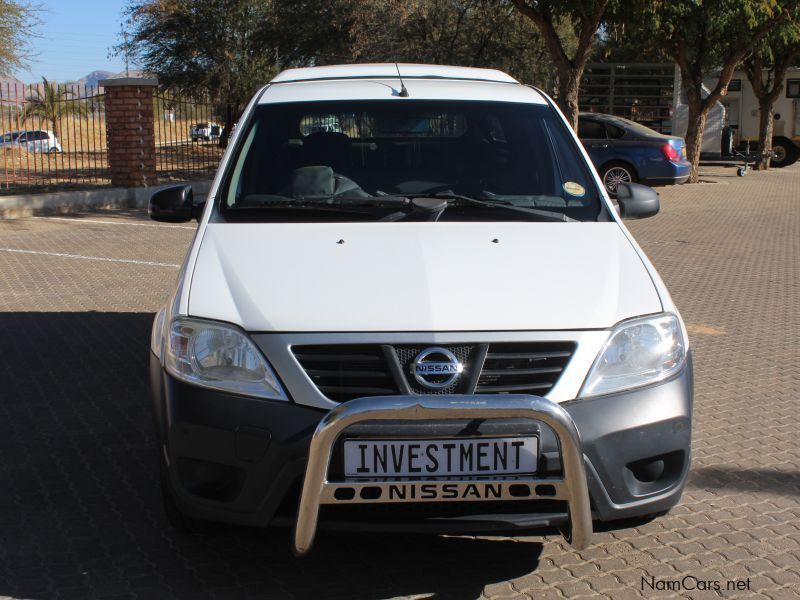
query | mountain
[14, 90]
[10, 88]
[92, 78]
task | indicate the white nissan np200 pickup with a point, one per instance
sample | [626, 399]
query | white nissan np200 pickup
[427, 317]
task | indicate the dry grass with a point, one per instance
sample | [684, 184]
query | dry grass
[84, 163]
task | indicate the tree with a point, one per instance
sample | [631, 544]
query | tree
[204, 48]
[703, 36]
[585, 17]
[472, 33]
[17, 20]
[52, 102]
[766, 70]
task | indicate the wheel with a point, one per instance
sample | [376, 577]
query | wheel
[784, 153]
[615, 173]
[741, 171]
[175, 517]
[53, 150]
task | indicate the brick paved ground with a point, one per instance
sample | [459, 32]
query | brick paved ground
[79, 506]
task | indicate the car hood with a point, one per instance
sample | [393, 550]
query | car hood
[318, 277]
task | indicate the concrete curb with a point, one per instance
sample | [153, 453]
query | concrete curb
[27, 205]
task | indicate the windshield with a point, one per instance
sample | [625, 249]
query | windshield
[10, 137]
[339, 155]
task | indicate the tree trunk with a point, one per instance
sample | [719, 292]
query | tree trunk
[694, 138]
[567, 99]
[765, 126]
[227, 128]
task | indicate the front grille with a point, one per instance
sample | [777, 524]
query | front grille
[529, 367]
[348, 371]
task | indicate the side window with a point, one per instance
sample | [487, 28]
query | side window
[614, 132]
[40, 135]
[590, 130]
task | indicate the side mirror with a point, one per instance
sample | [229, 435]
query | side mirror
[637, 201]
[174, 204]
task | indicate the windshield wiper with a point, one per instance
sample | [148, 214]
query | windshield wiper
[453, 198]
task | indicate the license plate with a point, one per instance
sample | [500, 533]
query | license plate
[440, 458]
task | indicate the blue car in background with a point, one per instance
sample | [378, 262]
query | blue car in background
[624, 151]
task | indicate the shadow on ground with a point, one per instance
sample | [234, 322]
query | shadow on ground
[749, 480]
[80, 513]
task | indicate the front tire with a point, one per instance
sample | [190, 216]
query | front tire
[617, 172]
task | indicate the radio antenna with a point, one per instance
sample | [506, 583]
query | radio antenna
[403, 91]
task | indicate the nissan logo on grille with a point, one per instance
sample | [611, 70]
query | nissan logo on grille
[436, 368]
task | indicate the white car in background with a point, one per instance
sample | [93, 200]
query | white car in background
[32, 140]
[205, 132]
[424, 313]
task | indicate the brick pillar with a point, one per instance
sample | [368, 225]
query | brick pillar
[130, 133]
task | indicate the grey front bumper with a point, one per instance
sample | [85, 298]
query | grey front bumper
[635, 446]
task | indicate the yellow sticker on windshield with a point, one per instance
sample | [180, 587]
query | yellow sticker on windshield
[574, 189]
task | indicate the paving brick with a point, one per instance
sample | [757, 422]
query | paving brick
[78, 466]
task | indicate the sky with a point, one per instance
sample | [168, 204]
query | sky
[76, 38]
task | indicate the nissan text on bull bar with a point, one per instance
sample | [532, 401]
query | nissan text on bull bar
[430, 318]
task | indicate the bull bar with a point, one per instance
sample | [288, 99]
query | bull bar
[570, 487]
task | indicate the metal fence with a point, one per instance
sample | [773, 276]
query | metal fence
[187, 133]
[642, 92]
[51, 135]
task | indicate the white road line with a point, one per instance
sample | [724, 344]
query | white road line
[100, 258]
[115, 222]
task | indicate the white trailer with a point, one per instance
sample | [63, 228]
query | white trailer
[712, 144]
[742, 118]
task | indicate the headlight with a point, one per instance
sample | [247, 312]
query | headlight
[220, 357]
[638, 352]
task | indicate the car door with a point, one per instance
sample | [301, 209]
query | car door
[592, 133]
[42, 141]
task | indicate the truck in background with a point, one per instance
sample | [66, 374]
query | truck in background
[740, 131]
[651, 94]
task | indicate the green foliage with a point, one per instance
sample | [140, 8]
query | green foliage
[476, 33]
[203, 47]
[51, 102]
[778, 46]
[17, 22]
[226, 48]
[702, 35]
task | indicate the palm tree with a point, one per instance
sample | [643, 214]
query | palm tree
[52, 102]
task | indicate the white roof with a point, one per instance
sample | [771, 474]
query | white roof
[389, 70]
[380, 81]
